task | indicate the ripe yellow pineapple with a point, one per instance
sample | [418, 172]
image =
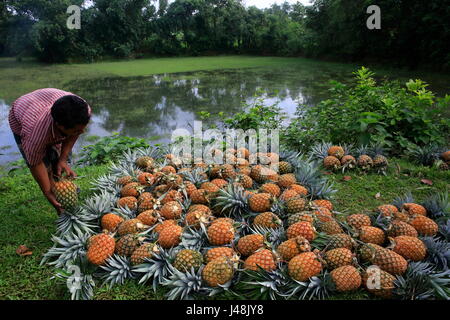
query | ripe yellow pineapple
[126, 245]
[301, 190]
[323, 203]
[171, 210]
[414, 209]
[386, 282]
[304, 266]
[338, 257]
[149, 217]
[260, 202]
[389, 261]
[111, 221]
[336, 151]
[410, 248]
[424, 225]
[218, 271]
[295, 205]
[100, 247]
[346, 278]
[292, 247]
[220, 233]
[370, 234]
[217, 252]
[302, 228]
[170, 236]
[358, 220]
[247, 245]
[271, 188]
[187, 259]
[267, 220]
[399, 228]
[287, 180]
[130, 202]
[66, 193]
[141, 253]
[131, 226]
[331, 163]
[263, 258]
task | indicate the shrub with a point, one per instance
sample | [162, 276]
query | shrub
[398, 117]
[109, 149]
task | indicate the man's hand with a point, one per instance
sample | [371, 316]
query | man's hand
[62, 166]
[52, 199]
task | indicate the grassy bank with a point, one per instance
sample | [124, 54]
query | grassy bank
[27, 219]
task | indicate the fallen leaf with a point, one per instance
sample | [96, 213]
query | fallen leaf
[328, 173]
[24, 251]
[426, 181]
[347, 178]
[378, 196]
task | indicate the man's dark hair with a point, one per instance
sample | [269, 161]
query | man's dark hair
[70, 111]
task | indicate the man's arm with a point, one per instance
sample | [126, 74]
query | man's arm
[66, 148]
[40, 174]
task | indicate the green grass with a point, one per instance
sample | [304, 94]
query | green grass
[27, 219]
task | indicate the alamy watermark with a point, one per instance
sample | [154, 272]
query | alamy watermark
[374, 21]
[74, 20]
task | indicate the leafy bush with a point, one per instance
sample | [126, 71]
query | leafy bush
[109, 149]
[386, 113]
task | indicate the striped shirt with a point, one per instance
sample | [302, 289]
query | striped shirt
[30, 118]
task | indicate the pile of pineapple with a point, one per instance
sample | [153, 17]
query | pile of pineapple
[365, 158]
[242, 229]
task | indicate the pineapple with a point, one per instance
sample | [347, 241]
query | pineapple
[348, 162]
[367, 251]
[130, 202]
[400, 228]
[171, 210]
[263, 258]
[446, 156]
[161, 226]
[292, 247]
[370, 234]
[365, 162]
[323, 203]
[414, 209]
[100, 248]
[141, 253]
[111, 221]
[346, 278]
[217, 252]
[304, 266]
[410, 248]
[334, 241]
[301, 216]
[386, 282]
[146, 163]
[219, 271]
[336, 151]
[302, 228]
[267, 220]
[331, 163]
[329, 227]
[287, 180]
[200, 196]
[194, 219]
[285, 167]
[339, 257]
[131, 226]
[146, 179]
[187, 259]
[122, 181]
[380, 163]
[387, 210]
[133, 189]
[126, 245]
[66, 193]
[248, 245]
[389, 261]
[260, 202]
[301, 190]
[295, 205]
[149, 217]
[220, 233]
[424, 225]
[271, 188]
[170, 236]
[288, 194]
[358, 220]
[244, 180]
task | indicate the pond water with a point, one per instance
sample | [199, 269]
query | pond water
[152, 107]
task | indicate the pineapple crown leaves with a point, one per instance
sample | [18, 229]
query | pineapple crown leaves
[65, 250]
[438, 205]
[183, 285]
[123, 168]
[124, 212]
[288, 155]
[232, 201]
[362, 150]
[308, 174]
[157, 268]
[425, 155]
[99, 204]
[263, 284]
[422, 281]
[75, 221]
[193, 239]
[78, 281]
[438, 252]
[444, 230]
[116, 270]
[107, 183]
[320, 150]
[406, 198]
[273, 236]
[316, 287]
[195, 176]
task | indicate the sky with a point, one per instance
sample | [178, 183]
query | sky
[268, 3]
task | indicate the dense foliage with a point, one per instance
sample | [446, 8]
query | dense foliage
[109, 148]
[412, 33]
[387, 113]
